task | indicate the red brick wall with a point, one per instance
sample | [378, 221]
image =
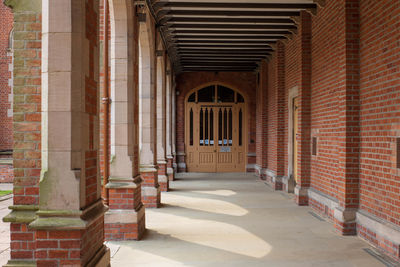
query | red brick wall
[327, 50]
[6, 139]
[277, 106]
[262, 117]
[244, 81]
[102, 129]
[6, 173]
[348, 75]
[380, 108]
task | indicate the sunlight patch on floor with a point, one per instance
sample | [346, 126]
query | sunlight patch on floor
[208, 233]
[224, 193]
[205, 204]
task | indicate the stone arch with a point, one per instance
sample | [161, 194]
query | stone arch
[147, 96]
[122, 57]
[151, 194]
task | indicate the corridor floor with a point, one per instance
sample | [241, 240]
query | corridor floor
[236, 220]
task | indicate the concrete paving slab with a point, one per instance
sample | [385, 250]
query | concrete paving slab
[237, 220]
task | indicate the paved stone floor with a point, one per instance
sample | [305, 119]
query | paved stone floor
[229, 220]
[236, 220]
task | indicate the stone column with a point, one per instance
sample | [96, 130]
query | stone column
[173, 122]
[161, 123]
[151, 195]
[126, 218]
[70, 221]
[170, 157]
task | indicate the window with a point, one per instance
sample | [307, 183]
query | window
[191, 127]
[240, 98]
[225, 94]
[314, 146]
[206, 94]
[192, 97]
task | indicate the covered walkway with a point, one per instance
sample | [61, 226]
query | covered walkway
[237, 220]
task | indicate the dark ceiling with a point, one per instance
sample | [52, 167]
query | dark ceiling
[225, 35]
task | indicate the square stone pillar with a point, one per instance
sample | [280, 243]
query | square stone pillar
[70, 221]
[125, 219]
[173, 123]
[161, 120]
[151, 194]
[170, 157]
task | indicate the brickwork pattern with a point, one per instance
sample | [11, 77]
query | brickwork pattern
[6, 138]
[262, 119]
[380, 109]
[162, 170]
[69, 248]
[23, 242]
[6, 173]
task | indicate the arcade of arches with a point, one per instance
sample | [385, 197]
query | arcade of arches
[112, 99]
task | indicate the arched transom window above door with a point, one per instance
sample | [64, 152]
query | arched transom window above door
[215, 94]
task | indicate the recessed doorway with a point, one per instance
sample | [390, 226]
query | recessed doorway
[215, 130]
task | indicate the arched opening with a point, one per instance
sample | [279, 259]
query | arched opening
[215, 136]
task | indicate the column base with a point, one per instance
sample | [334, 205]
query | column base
[71, 237]
[301, 195]
[120, 225]
[163, 180]
[180, 158]
[170, 169]
[20, 263]
[170, 174]
[151, 196]
[151, 191]
[345, 221]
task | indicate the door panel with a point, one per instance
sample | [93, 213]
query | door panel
[215, 137]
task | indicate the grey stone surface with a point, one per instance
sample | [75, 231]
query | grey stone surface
[236, 220]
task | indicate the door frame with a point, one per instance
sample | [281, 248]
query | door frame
[290, 182]
[246, 124]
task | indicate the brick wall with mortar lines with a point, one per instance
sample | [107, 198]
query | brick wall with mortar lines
[91, 102]
[276, 113]
[6, 139]
[262, 118]
[26, 125]
[6, 173]
[327, 28]
[244, 81]
[380, 108]
[304, 149]
[101, 116]
[335, 88]
[68, 248]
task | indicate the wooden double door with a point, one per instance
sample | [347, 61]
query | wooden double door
[215, 137]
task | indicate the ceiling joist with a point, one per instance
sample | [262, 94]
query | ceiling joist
[226, 35]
